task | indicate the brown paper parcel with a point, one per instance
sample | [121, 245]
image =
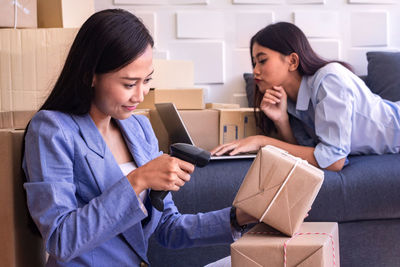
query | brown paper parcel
[316, 245]
[279, 189]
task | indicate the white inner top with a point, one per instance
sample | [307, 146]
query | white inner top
[126, 168]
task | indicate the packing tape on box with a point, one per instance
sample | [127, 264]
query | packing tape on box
[294, 236]
[16, 6]
[297, 162]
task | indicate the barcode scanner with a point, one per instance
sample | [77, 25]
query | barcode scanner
[186, 152]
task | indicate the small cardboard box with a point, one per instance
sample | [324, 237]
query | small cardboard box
[18, 14]
[316, 245]
[236, 124]
[19, 245]
[191, 98]
[202, 126]
[279, 189]
[64, 13]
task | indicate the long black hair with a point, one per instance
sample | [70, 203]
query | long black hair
[108, 41]
[285, 38]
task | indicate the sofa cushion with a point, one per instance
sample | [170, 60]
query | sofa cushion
[383, 74]
[366, 189]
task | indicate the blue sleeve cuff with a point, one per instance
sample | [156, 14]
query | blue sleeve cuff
[326, 155]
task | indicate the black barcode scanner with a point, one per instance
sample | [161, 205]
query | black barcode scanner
[186, 152]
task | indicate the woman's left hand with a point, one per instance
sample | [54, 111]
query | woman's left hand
[248, 144]
[274, 104]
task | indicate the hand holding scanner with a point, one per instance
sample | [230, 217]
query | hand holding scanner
[186, 152]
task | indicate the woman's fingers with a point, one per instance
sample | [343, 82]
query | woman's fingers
[221, 149]
[226, 148]
[272, 96]
[185, 166]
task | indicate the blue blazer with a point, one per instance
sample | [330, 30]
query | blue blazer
[85, 208]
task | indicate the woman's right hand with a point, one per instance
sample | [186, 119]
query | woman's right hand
[274, 104]
[162, 173]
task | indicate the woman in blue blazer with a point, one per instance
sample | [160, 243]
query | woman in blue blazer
[89, 163]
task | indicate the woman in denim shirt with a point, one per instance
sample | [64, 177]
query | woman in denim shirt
[337, 111]
[90, 163]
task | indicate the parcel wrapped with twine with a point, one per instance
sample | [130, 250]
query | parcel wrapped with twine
[315, 245]
[279, 189]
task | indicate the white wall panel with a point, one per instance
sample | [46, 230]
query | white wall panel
[188, 2]
[317, 24]
[257, 1]
[242, 63]
[306, 1]
[369, 29]
[248, 24]
[208, 59]
[200, 24]
[149, 20]
[328, 49]
[372, 1]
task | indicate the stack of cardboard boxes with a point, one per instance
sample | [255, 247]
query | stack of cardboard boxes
[30, 61]
[279, 190]
[209, 125]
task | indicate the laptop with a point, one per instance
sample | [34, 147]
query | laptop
[178, 132]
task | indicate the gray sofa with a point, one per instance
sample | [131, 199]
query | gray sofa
[364, 198]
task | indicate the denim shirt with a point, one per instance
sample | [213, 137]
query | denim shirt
[85, 208]
[344, 117]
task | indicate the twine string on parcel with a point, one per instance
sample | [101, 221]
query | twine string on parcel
[297, 162]
[293, 237]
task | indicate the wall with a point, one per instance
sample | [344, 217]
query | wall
[215, 33]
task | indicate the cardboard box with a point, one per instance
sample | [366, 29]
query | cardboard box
[15, 119]
[316, 245]
[202, 126]
[172, 74]
[19, 245]
[236, 124]
[30, 62]
[182, 98]
[18, 14]
[63, 13]
[279, 189]
[221, 105]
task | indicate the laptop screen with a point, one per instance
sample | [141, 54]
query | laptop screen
[178, 132]
[173, 123]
